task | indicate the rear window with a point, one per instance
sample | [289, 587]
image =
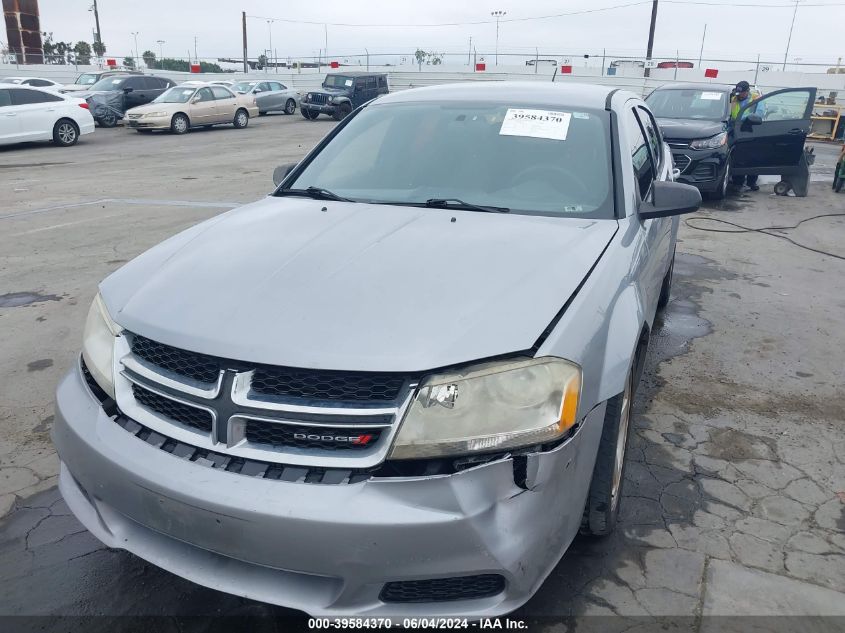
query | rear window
[682, 103]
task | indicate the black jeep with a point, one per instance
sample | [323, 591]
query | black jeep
[342, 93]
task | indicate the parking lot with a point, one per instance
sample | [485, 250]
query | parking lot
[735, 492]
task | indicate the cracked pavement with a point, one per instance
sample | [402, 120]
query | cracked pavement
[734, 497]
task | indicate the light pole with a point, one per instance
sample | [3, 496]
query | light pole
[789, 40]
[161, 44]
[498, 15]
[270, 32]
[135, 35]
[97, 37]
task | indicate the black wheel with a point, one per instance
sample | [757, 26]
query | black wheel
[290, 106]
[342, 111]
[602, 508]
[308, 114]
[782, 188]
[722, 191]
[241, 119]
[179, 124]
[666, 288]
[65, 133]
[109, 120]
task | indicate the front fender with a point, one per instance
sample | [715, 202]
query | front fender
[601, 327]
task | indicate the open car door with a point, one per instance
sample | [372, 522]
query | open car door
[769, 136]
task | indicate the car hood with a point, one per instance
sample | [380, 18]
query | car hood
[330, 91]
[333, 285]
[688, 129]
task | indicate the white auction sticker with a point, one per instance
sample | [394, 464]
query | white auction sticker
[536, 123]
[711, 96]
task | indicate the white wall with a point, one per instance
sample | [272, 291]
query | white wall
[628, 78]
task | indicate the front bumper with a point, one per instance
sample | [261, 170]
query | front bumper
[156, 123]
[324, 549]
[704, 169]
[321, 108]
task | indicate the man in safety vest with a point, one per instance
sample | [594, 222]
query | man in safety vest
[742, 96]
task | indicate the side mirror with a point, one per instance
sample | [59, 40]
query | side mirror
[127, 90]
[195, 99]
[257, 90]
[670, 198]
[281, 172]
[754, 119]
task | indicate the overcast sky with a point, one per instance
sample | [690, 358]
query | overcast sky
[732, 31]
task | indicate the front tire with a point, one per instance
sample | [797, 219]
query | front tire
[65, 133]
[179, 124]
[290, 106]
[722, 191]
[601, 511]
[241, 119]
[341, 112]
[666, 287]
[308, 114]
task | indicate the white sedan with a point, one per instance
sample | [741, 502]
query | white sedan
[35, 82]
[36, 114]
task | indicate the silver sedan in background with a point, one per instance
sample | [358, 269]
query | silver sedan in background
[270, 96]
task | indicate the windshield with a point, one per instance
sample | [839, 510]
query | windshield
[527, 159]
[676, 103]
[175, 95]
[86, 79]
[338, 81]
[244, 86]
[109, 83]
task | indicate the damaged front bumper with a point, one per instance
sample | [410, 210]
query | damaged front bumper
[329, 550]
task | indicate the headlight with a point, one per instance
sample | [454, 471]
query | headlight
[154, 114]
[98, 345]
[713, 142]
[490, 407]
[306, 98]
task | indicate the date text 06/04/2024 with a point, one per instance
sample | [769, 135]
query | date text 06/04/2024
[416, 623]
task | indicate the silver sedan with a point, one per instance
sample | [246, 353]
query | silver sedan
[401, 384]
[270, 96]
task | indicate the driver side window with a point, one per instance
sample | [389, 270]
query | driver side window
[204, 94]
[644, 170]
[786, 106]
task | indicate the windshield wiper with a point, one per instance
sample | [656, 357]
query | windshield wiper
[457, 203]
[318, 193]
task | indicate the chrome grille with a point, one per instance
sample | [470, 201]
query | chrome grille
[682, 161]
[193, 417]
[199, 367]
[314, 418]
[327, 385]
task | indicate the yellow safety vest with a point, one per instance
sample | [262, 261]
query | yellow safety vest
[737, 105]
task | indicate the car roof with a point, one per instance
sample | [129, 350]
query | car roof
[358, 73]
[570, 95]
[697, 86]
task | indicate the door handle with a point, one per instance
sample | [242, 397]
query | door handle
[796, 130]
[11, 114]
